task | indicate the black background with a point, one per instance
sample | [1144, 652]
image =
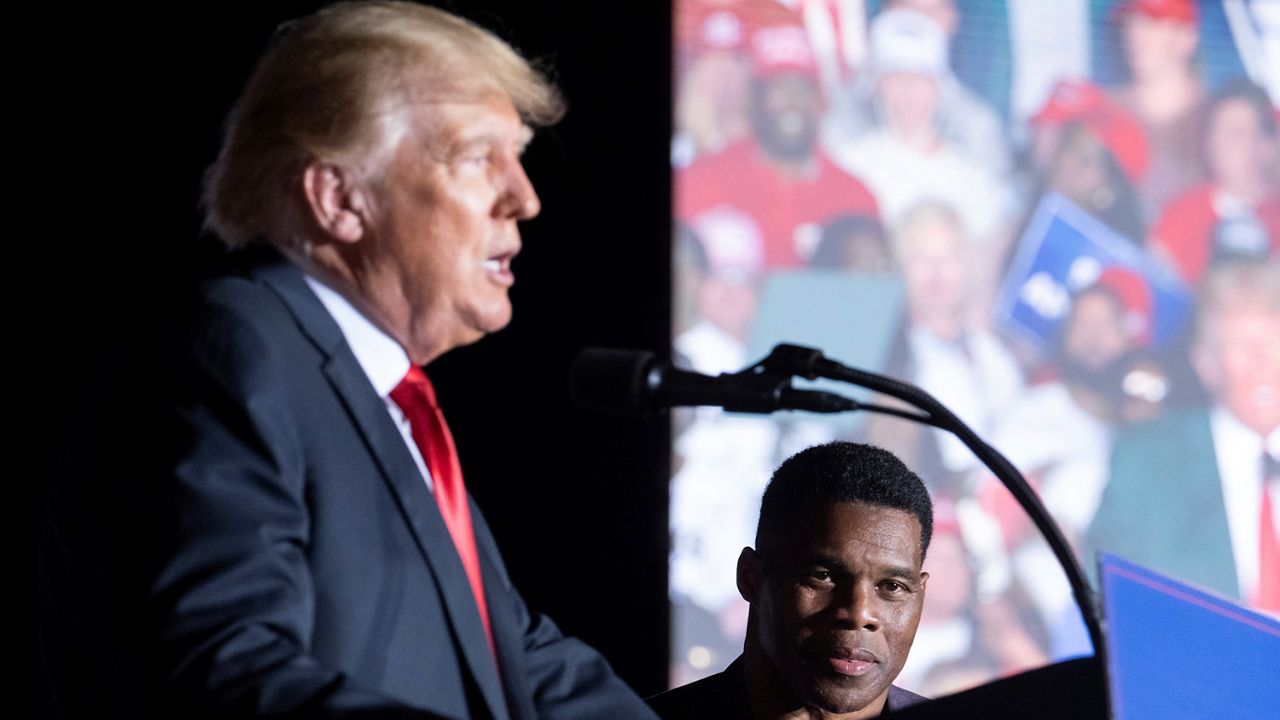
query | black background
[126, 109]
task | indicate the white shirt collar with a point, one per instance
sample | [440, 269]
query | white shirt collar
[1239, 454]
[1244, 438]
[379, 355]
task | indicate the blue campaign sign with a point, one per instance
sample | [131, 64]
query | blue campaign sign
[1065, 250]
[1179, 653]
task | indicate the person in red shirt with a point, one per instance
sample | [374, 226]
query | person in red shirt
[1237, 213]
[779, 177]
[1094, 152]
[1165, 92]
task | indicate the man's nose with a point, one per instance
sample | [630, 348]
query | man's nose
[857, 607]
[518, 199]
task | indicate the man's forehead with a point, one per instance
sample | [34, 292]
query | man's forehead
[864, 520]
[452, 121]
[844, 526]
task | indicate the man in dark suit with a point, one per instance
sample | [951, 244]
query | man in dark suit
[262, 511]
[1195, 493]
[835, 589]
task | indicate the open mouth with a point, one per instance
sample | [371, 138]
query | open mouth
[496, 264]
[498, 268]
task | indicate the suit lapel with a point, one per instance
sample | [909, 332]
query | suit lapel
[417, 505]
[508, 628]
[1204, 496]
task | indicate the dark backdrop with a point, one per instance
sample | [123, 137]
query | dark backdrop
[132, 103]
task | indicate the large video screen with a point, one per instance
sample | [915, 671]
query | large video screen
[1059, 217]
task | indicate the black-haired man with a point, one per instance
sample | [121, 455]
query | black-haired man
[835, 589]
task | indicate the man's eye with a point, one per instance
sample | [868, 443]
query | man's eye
[893, 587]
[820, 575]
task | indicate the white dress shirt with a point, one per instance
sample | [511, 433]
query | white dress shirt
[1239, 453]
[901, 176]
[381, 357]
[1045, 430]
[975, 377]
[726, 461]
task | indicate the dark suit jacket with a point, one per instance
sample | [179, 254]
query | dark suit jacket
[723, 696]
[238, 528]
[1163, 505]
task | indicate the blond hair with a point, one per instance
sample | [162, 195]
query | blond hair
[330, 89]
[924, 215]
[1232, 286]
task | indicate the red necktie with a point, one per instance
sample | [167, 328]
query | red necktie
[417, 399]
[1268, 543]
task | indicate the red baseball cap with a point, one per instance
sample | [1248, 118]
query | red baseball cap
[1121, 133]
[782, 48]
[1184, 11]
[710, 31]
[1135, 296]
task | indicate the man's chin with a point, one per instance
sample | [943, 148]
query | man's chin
[835, 696]
[488, 317]
[461, 330]
[497, 320]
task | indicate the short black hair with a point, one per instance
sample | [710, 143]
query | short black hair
[840, 472]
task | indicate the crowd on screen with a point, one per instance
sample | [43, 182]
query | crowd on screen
[917, 140]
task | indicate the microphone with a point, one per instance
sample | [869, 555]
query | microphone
[633, 382]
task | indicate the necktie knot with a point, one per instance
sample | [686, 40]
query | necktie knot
[415, 390]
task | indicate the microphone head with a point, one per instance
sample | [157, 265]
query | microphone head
[612, 381]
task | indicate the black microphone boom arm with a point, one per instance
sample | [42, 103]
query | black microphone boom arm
[810, 363]
[633, 382]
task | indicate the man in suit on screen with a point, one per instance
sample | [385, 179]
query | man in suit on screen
[262, 512]
[1196, 494]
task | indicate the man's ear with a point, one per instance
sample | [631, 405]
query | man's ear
[336, 203]
[750, 574]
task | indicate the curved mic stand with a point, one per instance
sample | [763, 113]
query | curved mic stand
[811, 364]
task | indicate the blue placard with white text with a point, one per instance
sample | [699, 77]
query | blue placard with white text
[1065, 250]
